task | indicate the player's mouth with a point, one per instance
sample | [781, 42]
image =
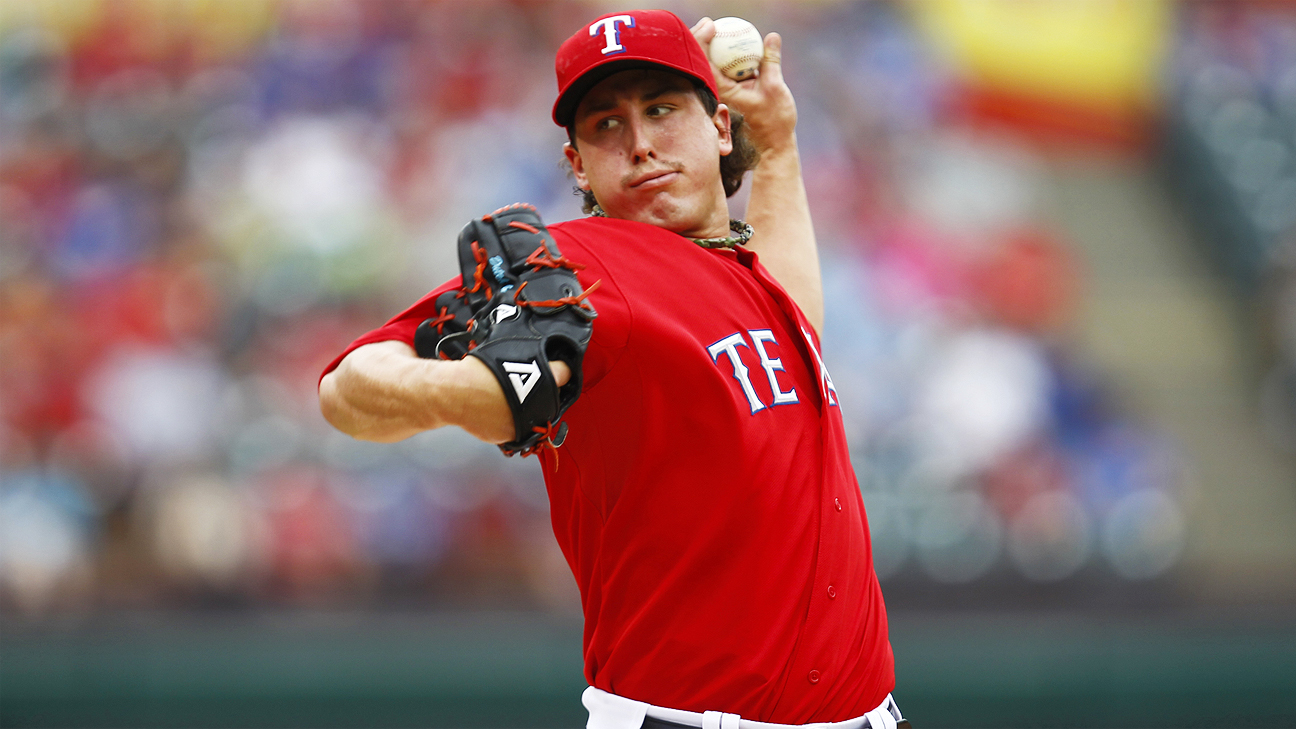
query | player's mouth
[654, 179]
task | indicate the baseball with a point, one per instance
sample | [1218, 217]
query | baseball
[737, 48]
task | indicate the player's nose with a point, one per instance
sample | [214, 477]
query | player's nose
[641, 143]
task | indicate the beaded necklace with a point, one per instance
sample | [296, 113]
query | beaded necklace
[742, 228]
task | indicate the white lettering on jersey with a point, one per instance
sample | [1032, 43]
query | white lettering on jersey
[824, 379]
[729, 345]
[524, 376]
[771, 364]
[611, 33]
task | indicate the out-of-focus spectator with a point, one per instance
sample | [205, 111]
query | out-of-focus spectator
[203, 202]
[46, 537]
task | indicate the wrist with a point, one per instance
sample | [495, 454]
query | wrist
[428, 382]
[456, 382]
[781, 159]
[480, 405]
[777, 146]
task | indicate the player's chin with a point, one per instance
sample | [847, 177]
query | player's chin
[662, 211]
[638, 205]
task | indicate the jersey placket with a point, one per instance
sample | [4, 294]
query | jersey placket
[815, 663]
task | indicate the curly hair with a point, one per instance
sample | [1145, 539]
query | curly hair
[733, 166]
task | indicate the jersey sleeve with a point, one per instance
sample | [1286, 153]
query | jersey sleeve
[400, 327]
[611, 327]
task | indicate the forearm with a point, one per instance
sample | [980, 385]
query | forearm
[779, 211]
[384, 392]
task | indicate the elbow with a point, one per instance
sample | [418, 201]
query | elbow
[332, 406]
[340, 414]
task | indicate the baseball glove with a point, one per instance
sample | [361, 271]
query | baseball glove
[520, 308]
[454, 317]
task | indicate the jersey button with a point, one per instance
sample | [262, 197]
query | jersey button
[832, 592]
[837, 503]
[814, 677]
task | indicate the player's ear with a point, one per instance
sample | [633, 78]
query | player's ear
[578, 167]
[721, 121]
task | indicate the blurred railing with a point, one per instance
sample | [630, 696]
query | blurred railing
[1231, 156]
[524, 670]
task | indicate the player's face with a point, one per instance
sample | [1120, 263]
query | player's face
[650, 152]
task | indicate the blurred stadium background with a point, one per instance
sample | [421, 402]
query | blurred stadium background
[1059, 242]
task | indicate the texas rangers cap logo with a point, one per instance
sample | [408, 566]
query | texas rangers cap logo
[624, 41]
[611, 32]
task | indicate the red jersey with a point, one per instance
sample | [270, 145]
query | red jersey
[704, 497]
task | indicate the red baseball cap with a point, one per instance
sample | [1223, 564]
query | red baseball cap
[623, 41]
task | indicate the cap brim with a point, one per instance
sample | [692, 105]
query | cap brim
[565, 108]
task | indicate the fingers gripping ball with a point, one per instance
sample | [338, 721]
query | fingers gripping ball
[737, 48]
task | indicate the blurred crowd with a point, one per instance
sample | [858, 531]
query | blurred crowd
[203, 203]
[1232, 157]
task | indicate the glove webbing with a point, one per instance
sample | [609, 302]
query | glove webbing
[479, 281]
[439, 321]
[548, 433]
[539, 258]
[576, 301]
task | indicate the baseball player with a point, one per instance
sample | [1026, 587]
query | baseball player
[663, 363]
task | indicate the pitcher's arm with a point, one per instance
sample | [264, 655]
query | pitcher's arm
[385, 392]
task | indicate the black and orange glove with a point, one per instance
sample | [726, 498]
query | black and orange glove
[527, 309]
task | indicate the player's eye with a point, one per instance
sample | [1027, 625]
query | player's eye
[659, 110]
[607, 122]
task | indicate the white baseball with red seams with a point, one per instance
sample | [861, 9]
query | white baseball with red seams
[737, 48]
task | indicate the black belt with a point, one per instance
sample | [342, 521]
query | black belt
[651, 723]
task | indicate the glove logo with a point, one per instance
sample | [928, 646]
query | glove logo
[502, 312]
[497, 269]
[524, 377]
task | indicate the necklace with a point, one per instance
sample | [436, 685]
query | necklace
[742, 228]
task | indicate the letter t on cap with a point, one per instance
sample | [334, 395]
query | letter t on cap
[611, 32]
